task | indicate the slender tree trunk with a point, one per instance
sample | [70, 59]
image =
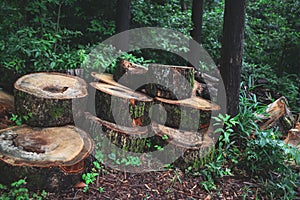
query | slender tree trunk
[123, 22]
[197, 12]
[232, 49]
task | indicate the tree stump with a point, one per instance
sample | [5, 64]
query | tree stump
[50, 99]
[122, 106]
[49, 158]
[130, 74]
[187, 148]
[187, 114]
[170, 82]
[130, 139]
[277, 116]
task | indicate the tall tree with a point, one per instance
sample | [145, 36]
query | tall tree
[123, 22]
[232, 50]
[197, 14]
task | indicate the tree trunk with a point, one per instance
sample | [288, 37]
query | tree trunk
[121, 106]
[170, 82]
[186, 148]
[49, 158]
[123, 23]
[50, 99]
[197, 14]
[189, 114]
[232, 47]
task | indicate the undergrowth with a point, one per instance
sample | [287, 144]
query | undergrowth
[258, 155]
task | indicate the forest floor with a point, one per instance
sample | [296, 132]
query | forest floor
[168, 184]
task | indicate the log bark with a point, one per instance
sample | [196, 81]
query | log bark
[130, 139]
[51, 99]
[277, 116]
[188, 148]
[6, 109]
[188, 114]
[170, 82]
[130, 74]
[49, 158]
[121, 106]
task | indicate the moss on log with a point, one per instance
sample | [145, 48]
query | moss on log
[121, 106]
[187, 114]
[187, 148]
[170, 82]
[49, 158]
[50, 99]
[131, 139]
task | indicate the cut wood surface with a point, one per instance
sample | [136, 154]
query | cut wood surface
[108, 79]
[121, 106]
[188, 114]
[51, 99]
[47, 157]
[278, 116]
[190, 147]
[130, 74]
[170, 82]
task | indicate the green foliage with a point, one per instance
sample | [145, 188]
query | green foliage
[18, 191]
[262, 155]
[90, 177]
[246, 150]
[19, 120]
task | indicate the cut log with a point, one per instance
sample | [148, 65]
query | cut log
[49, 158]
[130, 74]
[277, 116]
[116, 145]
[51, 99]
[6, 109]
[187, 114]
[186, 148]
[130, 139]
[121, 106]
[170, 82]
[108, 79]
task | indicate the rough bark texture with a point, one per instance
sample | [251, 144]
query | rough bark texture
[188, 114]
[278, 116]
[188, 148]
[50, 99]
[131, 139]
[49, 158]
[130, 74]
[231, 59]
[170, 82]
[6, 104]
[121, 106]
